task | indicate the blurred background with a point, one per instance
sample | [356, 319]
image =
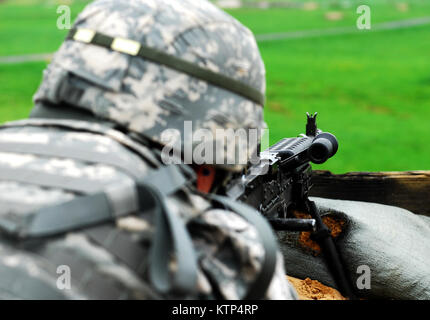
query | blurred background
[370, 88]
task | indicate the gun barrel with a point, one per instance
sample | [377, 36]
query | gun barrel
[323, 147]
[291, 224]
[290, 147]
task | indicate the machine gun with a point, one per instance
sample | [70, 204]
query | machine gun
[280, 182]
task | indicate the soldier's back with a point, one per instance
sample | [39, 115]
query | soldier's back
[71, 225]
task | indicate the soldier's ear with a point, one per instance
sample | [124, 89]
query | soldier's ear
[205, 177]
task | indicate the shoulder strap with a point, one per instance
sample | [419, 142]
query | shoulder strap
[99, 206]
[170, 237]
[259, 287]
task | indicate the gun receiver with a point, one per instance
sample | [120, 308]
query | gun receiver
[282, 180]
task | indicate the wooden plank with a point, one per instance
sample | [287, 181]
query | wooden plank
[409, 190]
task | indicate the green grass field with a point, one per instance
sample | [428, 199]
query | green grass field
[371, 89]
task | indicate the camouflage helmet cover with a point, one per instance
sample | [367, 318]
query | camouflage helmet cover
[150, 98]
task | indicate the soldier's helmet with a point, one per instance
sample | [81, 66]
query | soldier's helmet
[155, 65]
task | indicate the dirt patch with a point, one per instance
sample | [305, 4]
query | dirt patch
[314, 290]
[278, 107]
[335, 225]
[379, 109]
[334, 15]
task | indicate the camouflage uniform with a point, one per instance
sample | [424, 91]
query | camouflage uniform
[96, 274]
[143, 98]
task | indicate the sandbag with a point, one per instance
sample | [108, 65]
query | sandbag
[390, 244]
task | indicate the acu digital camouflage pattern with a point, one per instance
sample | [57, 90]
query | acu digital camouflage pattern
[228, 248]
[149, 98]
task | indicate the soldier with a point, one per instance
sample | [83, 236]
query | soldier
[88, 209]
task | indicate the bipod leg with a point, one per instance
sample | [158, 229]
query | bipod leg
[332, 256]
